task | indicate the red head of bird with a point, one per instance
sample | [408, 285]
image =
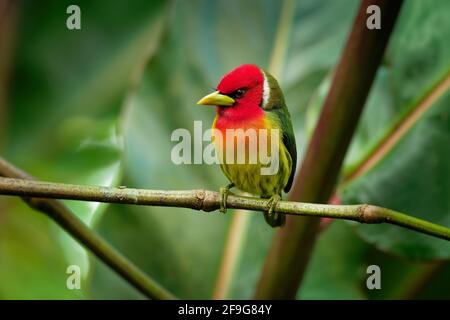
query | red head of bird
[239, 95]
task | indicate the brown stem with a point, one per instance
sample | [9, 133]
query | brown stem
[291, 248]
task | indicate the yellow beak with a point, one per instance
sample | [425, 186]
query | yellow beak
[216, 99]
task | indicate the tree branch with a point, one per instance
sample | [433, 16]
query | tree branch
[62, 215]
[210, 200]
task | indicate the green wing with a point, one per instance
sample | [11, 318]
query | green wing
[288, 141]
[277, 107]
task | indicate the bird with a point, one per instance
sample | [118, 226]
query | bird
[249, 97]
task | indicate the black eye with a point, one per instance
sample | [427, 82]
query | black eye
[238, 93]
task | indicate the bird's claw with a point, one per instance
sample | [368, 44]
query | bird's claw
[272, 204]
[273, 218]
[224, 191]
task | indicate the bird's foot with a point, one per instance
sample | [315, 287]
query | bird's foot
[273, 218]
[224, 191]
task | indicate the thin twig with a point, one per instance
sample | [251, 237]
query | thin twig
[208, 201]
[62, 215]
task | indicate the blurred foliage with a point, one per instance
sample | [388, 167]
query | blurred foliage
[415, 176]
[98, 106]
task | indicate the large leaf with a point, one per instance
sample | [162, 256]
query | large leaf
[31, 264]
[414, 176]
[67, 90]
[60, 73]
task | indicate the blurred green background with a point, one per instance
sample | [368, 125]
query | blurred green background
[98, 105]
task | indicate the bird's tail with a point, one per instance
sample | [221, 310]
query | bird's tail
[275, 220]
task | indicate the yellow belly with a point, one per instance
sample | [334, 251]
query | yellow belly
[251, 177]
[247, 175]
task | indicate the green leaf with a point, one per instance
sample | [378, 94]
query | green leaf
[418, 53]
[413, 176]
[67, 92]
[62, 73]
[31, 265]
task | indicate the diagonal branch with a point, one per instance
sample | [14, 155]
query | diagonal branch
[66, 219]
[210, 200]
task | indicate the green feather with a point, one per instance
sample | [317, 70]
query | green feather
[277, 107]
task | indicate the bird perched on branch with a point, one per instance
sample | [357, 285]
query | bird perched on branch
[249, 102]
